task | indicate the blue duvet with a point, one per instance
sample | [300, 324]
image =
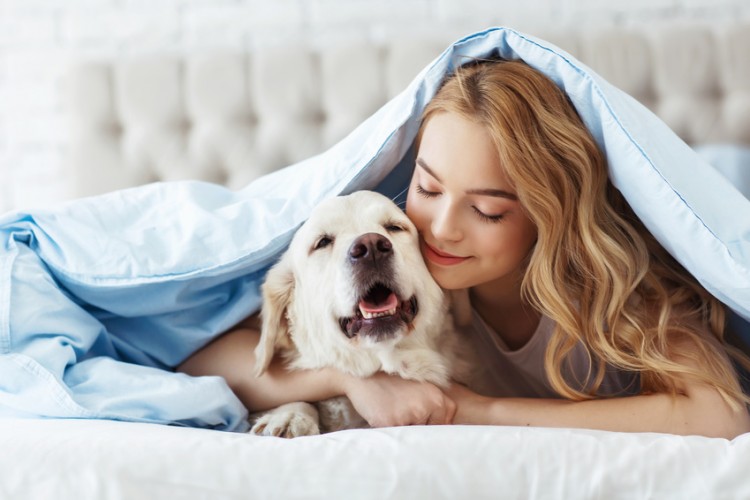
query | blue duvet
[101, 297]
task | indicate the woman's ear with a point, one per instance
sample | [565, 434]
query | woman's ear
[278, 290]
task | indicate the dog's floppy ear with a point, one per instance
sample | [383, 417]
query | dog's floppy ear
[277, 295]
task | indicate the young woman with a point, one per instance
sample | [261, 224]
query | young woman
[581, 318]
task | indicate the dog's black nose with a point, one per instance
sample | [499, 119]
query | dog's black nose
[370, 246]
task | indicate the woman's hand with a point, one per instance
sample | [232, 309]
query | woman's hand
[471, 408]
[387, 400]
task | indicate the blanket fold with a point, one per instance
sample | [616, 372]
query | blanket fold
[102, 297]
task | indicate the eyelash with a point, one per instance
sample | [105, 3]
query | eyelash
[423, 192]
[488, 218]
[482, 216]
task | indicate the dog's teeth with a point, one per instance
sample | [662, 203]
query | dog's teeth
[369, 315]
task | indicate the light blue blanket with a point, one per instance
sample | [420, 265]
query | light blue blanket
[100, 297]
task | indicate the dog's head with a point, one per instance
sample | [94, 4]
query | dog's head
[352, 281]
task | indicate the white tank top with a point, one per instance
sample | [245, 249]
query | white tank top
[520, 373]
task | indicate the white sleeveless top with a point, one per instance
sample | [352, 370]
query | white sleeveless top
[520, 373]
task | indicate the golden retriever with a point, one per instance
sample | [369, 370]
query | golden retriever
[353, 293]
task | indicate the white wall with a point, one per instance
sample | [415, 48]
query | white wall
[39, 38]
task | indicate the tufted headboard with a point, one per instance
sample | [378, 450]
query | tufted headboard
[230, 117]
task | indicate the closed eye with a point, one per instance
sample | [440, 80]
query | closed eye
[488, 218]
[393, 227]
[423, 192]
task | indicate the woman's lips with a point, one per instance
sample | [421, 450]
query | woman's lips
[436, 256]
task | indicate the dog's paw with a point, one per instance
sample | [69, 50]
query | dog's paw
[285, 425]
[288, 422]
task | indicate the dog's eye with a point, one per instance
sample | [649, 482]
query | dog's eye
[323, 242]
[393, 228]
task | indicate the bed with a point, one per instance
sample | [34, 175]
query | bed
[105, 459]
[81, 416]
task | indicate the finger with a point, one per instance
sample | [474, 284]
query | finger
[434, 418]
[439, 415]
[444, 413]
[450, 411]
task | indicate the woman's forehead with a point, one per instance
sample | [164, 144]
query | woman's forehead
[457, 150]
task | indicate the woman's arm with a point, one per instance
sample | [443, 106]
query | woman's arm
[232, 356]
[382, 400]
[697, 409]
[697, 414]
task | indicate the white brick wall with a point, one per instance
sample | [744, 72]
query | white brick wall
[39, 38]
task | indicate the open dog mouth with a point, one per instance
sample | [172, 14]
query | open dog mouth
[379, 314]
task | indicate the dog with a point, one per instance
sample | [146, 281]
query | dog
[352, 292]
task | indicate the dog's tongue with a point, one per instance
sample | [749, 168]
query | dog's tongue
[389, 303]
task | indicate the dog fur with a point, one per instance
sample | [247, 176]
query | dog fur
[352, 292]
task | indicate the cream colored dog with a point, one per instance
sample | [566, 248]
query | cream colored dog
[353, 293]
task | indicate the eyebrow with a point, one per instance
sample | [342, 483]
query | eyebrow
[499, 193]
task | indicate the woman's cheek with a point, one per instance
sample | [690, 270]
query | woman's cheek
[420, 216]
[412, 207]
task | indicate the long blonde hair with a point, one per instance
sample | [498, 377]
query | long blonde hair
[595, 269]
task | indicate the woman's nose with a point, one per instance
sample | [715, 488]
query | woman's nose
[445, 225]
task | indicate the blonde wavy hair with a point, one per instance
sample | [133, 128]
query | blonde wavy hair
[595, 269]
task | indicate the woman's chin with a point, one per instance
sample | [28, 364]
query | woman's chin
[448, 279]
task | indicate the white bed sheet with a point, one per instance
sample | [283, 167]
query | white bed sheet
[85, 459]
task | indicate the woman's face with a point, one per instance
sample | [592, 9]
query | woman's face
[473, 230]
